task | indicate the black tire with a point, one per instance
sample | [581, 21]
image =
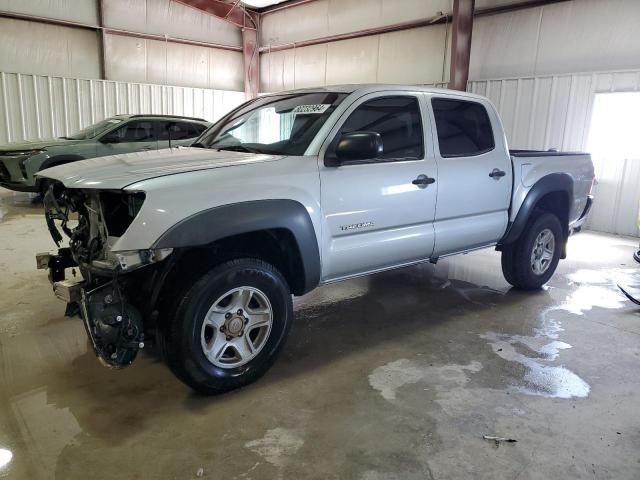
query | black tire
[182, 341]
[516, 258]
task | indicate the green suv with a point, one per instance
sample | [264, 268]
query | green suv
[19, 162]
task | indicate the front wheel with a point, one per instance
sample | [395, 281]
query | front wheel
[230, 326]
[530, 262]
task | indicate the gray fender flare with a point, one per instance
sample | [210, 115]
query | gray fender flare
[216, 223]
[555, 182]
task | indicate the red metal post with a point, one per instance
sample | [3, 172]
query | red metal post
[251, 62]
[461, 43]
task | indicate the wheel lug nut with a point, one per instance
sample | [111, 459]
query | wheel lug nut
[228, 338]
[222, 328]
[227, 315]
[239, 312]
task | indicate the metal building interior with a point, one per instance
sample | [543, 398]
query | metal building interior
[433, 371]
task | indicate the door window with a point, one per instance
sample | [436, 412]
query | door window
[397, 120]
[196, 129]
[135, 131]
[174, 130]
[464, 128]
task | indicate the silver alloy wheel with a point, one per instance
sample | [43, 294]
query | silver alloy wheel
[236, 327]
[543, 249]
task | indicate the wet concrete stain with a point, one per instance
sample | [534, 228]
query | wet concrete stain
[277, 445]
[388, 378]
[540, 350]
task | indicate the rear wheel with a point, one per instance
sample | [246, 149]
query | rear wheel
[531, 261]
[230, 326]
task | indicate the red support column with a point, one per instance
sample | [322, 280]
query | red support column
[251, 62]
[461, 44]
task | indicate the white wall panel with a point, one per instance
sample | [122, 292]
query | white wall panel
[412, 56]
[353, 61]
[32, 47]
[555, 112]
[329, 17]
[79, 11]
[154, 61]
[168, 17]
[566, 37]
[34, 106]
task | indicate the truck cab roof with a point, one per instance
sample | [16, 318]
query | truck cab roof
[378, 87]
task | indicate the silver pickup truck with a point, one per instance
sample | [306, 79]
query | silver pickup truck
[201, 248]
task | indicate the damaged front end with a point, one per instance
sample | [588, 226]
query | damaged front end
[107, 288]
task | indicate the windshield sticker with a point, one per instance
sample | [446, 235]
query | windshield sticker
[311, 109]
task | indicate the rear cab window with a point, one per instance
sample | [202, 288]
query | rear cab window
[463, 127]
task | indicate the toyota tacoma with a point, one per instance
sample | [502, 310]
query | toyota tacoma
[201, 248]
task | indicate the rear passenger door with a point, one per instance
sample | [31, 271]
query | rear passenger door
[378, 213]
[474, 175]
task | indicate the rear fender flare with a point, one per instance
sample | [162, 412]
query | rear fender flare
[208, 226]
[555, 182]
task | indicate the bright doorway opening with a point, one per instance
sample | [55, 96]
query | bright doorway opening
[614, 143]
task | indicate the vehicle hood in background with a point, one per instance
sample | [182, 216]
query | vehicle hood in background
[118, 171]
[36, 144]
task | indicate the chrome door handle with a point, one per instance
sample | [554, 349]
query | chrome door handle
[497, 174]
[423, 180]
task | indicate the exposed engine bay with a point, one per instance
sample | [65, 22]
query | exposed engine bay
[104, 294]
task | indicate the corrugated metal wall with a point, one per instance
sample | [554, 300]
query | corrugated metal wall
[555, 112]
[39, 106]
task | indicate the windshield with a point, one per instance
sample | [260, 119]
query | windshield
[94, 130]
[280, 124]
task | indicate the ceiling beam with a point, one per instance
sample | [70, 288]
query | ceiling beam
[229, 10]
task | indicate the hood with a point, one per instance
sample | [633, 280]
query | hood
[118, 171]
[36, 144]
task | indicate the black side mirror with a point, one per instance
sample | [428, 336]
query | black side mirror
[358, 146]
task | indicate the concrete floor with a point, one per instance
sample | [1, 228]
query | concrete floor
[395, 376]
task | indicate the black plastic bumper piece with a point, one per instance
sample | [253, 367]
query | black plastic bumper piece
[58, 264]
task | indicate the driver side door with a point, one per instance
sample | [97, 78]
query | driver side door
[379, 213]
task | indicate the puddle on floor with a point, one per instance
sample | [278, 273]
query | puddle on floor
[598, 288]
[541, 378]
